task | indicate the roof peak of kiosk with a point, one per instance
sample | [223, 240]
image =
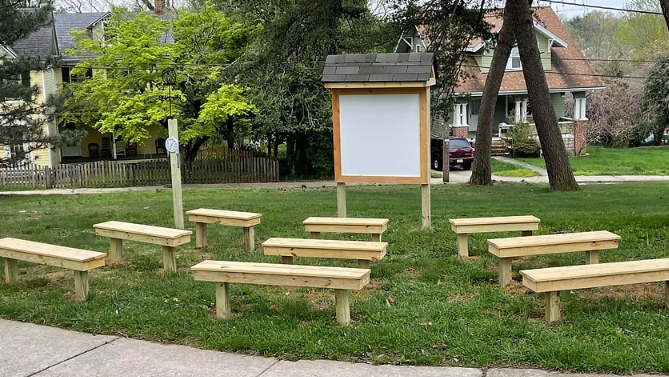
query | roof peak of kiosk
[379, 70]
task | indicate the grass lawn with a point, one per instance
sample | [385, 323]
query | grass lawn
[425, 306]
[617, 161]
[510, 170]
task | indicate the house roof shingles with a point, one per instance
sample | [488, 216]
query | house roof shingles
[569, 69]
[72, 21]
[405, 67]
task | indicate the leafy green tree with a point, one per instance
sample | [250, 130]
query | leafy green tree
[124, 94]
[656, 99]
[22, 117]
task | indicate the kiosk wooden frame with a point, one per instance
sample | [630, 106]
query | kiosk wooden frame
[382, 74]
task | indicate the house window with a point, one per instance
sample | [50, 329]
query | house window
[514, 64]
[19, 79]
[579, 109]
[70, 78]
[461, 115]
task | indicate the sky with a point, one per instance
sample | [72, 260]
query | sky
[572, 10]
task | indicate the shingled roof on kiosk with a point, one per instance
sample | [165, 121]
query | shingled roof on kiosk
[402, 67]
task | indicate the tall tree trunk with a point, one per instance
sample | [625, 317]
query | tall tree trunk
[560, 176]
[230, 133]
[481, 171]
[665, 10]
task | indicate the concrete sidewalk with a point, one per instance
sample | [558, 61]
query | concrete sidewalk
[34, 350]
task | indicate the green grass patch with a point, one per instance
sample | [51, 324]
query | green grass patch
[617, 161]
[510, 170]
[425, 305]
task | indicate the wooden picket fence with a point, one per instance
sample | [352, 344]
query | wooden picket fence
[235, 168]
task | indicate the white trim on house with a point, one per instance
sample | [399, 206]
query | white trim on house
[554, 90]
[580, 109]
[9, 50]
[475, 48]
[461, 114]
[548, 34]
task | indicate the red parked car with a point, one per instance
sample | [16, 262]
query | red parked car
[461, 153]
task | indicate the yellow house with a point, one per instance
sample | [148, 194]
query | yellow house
[54, 40]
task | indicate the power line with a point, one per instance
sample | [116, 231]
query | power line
[604, 7]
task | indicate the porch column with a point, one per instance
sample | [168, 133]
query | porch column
[113, 143]
[518, 111]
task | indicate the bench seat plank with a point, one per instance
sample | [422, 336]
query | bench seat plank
[223, 217]
[52, 255]
[494, 224]
[281, 274]
[345, 225]
[317, 248]
[143, 233]
[552, 243]
[597, 275]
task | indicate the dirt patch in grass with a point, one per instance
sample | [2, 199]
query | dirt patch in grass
[645, 290]
[516, 288]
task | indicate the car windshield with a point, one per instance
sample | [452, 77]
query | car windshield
[458, 143]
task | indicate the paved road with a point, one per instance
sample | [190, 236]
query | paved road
[34, 350]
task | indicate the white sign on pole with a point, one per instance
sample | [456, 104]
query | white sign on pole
[175, 168]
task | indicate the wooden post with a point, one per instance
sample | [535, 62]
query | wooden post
[504, 271]
[223, 301]
[446, 157]
[169, 259]
[376, 237]
[175, 169]
[426, 206]
[552, 307]
[11, 271]
[315, 235]
[286, 259]
[81, 284]
[592, 257]
[364, 264]
[341, 199]
[666, 292]
[342, 307]
[463, 249]
[526, 233]
[249, 239]
[200, 235]
[115, 250]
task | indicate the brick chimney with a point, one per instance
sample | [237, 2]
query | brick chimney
[158, 6]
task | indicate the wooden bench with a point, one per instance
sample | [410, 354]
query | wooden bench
[81, 261]
[590, 242]
[288, 248]
[201, 217]
[342, 280]
[553, 280]
[318, 225]
[462, 227]
[168, 238]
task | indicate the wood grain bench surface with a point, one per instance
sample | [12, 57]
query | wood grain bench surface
[143, 233]
[224, 217]
[52, 255]
[342, 280]
[552, 243]
[345, 225]
[81, 261]
[494, 224]
[596, 275]
[551, 281]
[316, 248]
[281, 274]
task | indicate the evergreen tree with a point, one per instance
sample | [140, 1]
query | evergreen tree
[22, 117]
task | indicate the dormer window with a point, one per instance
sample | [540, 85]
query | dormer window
[418, 48]
[514, 63]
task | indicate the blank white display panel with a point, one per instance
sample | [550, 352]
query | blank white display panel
[380, 135]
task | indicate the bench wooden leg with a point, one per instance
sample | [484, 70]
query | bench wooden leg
[463, 250]
[552, 307]
[169, 259]
[11, 271]
[376, 237]
[504, 271]
[200, 235]
[81, 284]
[666, 292]
[286, 259]
[315, 235]
[249, 239]
[363, 263]
[115, 250]
[223, 301]
[342, 307]
[526, 233]
[592, 257]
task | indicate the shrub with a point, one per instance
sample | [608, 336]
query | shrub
[522, 143]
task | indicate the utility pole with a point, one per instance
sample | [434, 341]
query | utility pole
[172, 146]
